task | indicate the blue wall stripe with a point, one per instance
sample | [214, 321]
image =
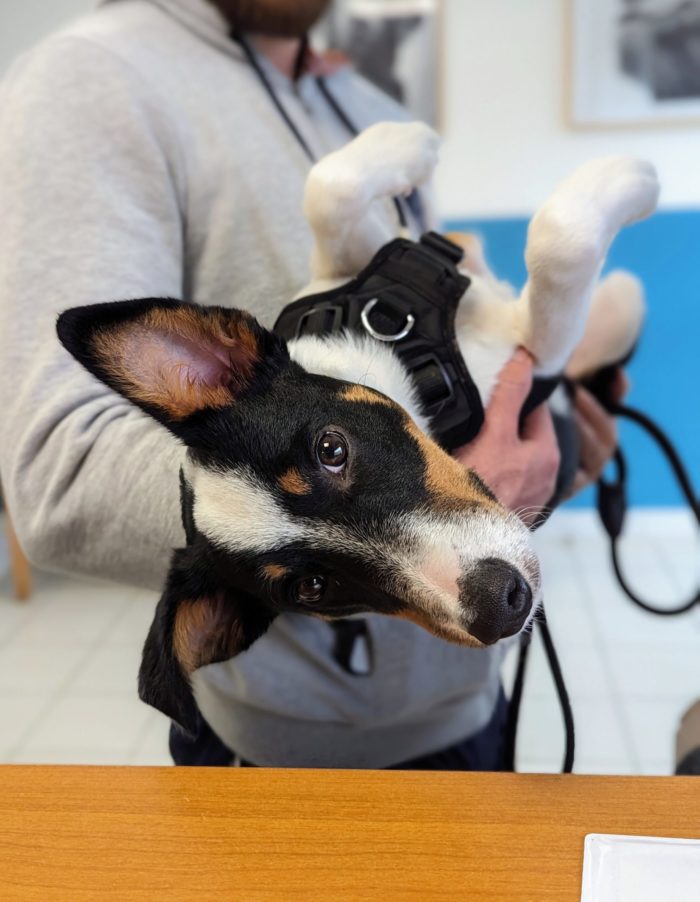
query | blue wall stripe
[665, 253]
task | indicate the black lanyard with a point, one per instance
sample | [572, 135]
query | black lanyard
[351, 636]
[413, 200]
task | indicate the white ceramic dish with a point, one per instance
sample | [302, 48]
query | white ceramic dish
[640, 869]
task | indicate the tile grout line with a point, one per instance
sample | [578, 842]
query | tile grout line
[9, 638]
[616, 695]
[670, 570]
[138, 743]
[54, 697]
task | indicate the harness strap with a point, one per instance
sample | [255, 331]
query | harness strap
[407, 297]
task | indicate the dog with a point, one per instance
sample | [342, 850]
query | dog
[311, 483]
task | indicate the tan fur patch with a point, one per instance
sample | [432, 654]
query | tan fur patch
[275, 571]
[443, 631]
[466, 240]
[294, 483]
[474, 259]
[135, 356]
[368, 395]
[448, 480]
[204, 632]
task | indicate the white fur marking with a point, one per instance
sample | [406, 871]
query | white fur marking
[237, 512]
[360, 359]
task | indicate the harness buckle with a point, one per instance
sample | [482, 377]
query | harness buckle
[397, 336]
[443, 246]
[320, 321]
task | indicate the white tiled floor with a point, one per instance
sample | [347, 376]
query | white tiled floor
[69, 659]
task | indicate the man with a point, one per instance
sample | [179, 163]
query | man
[141, 156]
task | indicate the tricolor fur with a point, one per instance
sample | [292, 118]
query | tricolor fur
[311, 483]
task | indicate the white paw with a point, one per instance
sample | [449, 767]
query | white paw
[405, 153]
[624, 189]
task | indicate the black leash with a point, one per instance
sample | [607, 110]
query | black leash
[332, 102]
[517, 695]
[612, 503]
[612, 507]
[562, 694]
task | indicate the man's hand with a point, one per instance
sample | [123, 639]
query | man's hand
[597, 432]
[519, 465]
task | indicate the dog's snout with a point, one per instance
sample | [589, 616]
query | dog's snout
[497, 600]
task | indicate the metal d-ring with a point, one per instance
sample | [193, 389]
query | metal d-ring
[364, 316]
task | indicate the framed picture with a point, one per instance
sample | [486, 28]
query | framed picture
[394, 44]
[635, 62]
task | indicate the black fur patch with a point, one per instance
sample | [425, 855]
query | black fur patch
[163, 682]
[78, 327]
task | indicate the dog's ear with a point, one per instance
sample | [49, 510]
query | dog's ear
[189, 631]
[171, 358]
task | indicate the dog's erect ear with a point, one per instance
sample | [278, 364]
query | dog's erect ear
[189, 632]
[171, 358]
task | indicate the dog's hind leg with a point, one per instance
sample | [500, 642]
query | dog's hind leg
[568, 240]
[613, 325]
[347, 194]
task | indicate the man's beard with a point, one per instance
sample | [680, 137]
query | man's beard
[277, 18]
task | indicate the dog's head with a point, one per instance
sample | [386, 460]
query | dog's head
[300, 493]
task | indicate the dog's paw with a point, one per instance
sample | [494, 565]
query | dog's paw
[403, 154]
[624, 189]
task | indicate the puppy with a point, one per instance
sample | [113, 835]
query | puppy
[311, 483]
[568, 240]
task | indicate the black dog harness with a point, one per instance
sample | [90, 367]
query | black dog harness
[407, 297]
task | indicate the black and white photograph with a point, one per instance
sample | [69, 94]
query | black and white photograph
[394, 44]
[635, 62]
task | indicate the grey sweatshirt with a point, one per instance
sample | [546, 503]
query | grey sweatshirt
[140, 157]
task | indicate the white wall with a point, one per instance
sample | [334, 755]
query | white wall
[24, 22]
[507, 141]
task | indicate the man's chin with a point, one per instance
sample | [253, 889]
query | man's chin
[275, 18]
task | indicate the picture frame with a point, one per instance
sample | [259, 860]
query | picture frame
[395, 44]
[634, 63]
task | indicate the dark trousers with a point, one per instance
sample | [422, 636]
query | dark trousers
[484, 751]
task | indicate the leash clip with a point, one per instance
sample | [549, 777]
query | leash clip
[612, 498]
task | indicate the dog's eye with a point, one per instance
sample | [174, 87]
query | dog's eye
[310, 589]
[332, 451]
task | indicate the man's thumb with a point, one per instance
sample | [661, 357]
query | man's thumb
[513, 387]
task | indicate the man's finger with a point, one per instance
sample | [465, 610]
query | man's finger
[621, 385]
[539, 426]
[513, 387]
[602, 424]
[581, 480]
[593, 453]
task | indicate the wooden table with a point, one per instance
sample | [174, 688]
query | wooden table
[172, 834]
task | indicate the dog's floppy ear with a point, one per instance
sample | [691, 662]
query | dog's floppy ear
[189, 631]
[172, 358]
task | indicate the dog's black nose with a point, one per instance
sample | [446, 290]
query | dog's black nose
[496, 599]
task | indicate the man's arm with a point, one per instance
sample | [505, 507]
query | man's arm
[90, 212]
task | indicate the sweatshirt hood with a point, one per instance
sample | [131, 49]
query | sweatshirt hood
[200, 17]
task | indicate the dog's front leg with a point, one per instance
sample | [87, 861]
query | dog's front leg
[346, 199]
[568, 240]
